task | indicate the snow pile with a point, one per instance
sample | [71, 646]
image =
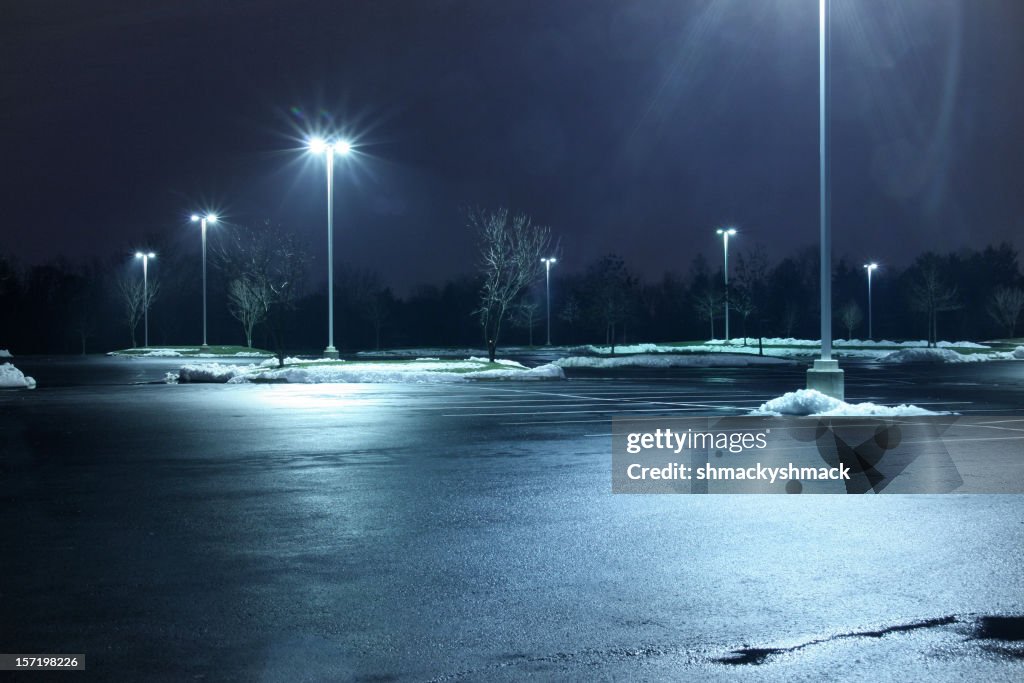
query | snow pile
[1018, 353]
[425, 372]
[812, 402]
[12, 378]
[321, 371]
[499, 361]
[926, 355]
[4, 353]
[208, 372]
[705, 360]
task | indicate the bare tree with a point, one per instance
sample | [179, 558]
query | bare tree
[851, 316]
[1005, 307]
[525, 315]
[511, 248]
[248, 304]
[274, 261]
[790, 314]
[708, 304]
[136, 299]
[751, 285]
[930, 295]
[612, 295]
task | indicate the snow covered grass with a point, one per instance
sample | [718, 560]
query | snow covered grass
[885, 351]
[13, 378]
[442, 352]
[665, 360]
[947, 355]
[811, 402]
[213, 351]
[322, 371]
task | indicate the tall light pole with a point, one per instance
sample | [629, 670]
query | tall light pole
[547, 288]
[870, 267]
[319, 146]
[145, 256]
[726, 233]
[825, 375]
[208, 218]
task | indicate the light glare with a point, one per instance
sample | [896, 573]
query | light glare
[317, 145]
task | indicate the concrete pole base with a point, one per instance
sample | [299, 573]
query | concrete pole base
[826, 377]
[330, 352]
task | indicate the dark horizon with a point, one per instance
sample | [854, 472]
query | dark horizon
[630, 129]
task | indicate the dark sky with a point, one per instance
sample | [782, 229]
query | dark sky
[635, 127]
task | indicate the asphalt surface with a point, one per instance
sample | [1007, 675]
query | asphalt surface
[468, 532]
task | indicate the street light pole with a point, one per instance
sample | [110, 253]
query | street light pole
[319, 146]
[870, 267]
[825, 375]
[725, 233]
[212, 219]
[145, 291]
[547, 287]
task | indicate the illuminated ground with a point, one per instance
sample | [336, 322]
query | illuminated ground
[393, 532]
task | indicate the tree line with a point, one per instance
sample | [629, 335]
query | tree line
[260, 295]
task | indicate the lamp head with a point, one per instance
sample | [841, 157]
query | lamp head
[138, 254]
[317, 145]
[211, 218]
[151, 255]
[342, 147]
[195, 218]
[871, 266]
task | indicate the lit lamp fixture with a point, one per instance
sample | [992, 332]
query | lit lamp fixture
[547, 287]
[870, 267]
[208, 218]
[319, 146]
[726, 233]
[145, 256]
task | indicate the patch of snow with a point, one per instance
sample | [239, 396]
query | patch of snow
[4, 353]
[702, 360]
[1018, 353]
[299, 371]
[549, 371]
[812, 402]
[208, 372]
[499, 361]
[931, 356]
[13, 378]
[789, 341]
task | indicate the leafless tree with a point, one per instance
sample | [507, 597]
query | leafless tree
[930, 295]
[136, 298]
[248, 304]
[511, 247]
[1005, 307]
[525, 315]
[274, 261]
[708, 304]
[851, 316]
[790, 314]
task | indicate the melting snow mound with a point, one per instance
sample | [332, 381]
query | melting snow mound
[812, 402]
[4, 353]
[13, 378]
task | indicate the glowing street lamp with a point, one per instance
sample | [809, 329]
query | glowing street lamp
[726, 233]
[319, 146]
[145, 256]
[547, 286]
[208, 218]
[869, 267]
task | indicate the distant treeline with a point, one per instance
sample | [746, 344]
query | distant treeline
[65, 307]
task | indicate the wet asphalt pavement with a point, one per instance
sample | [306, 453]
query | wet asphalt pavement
[468, 532]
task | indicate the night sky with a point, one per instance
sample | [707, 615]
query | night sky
[635, 127]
